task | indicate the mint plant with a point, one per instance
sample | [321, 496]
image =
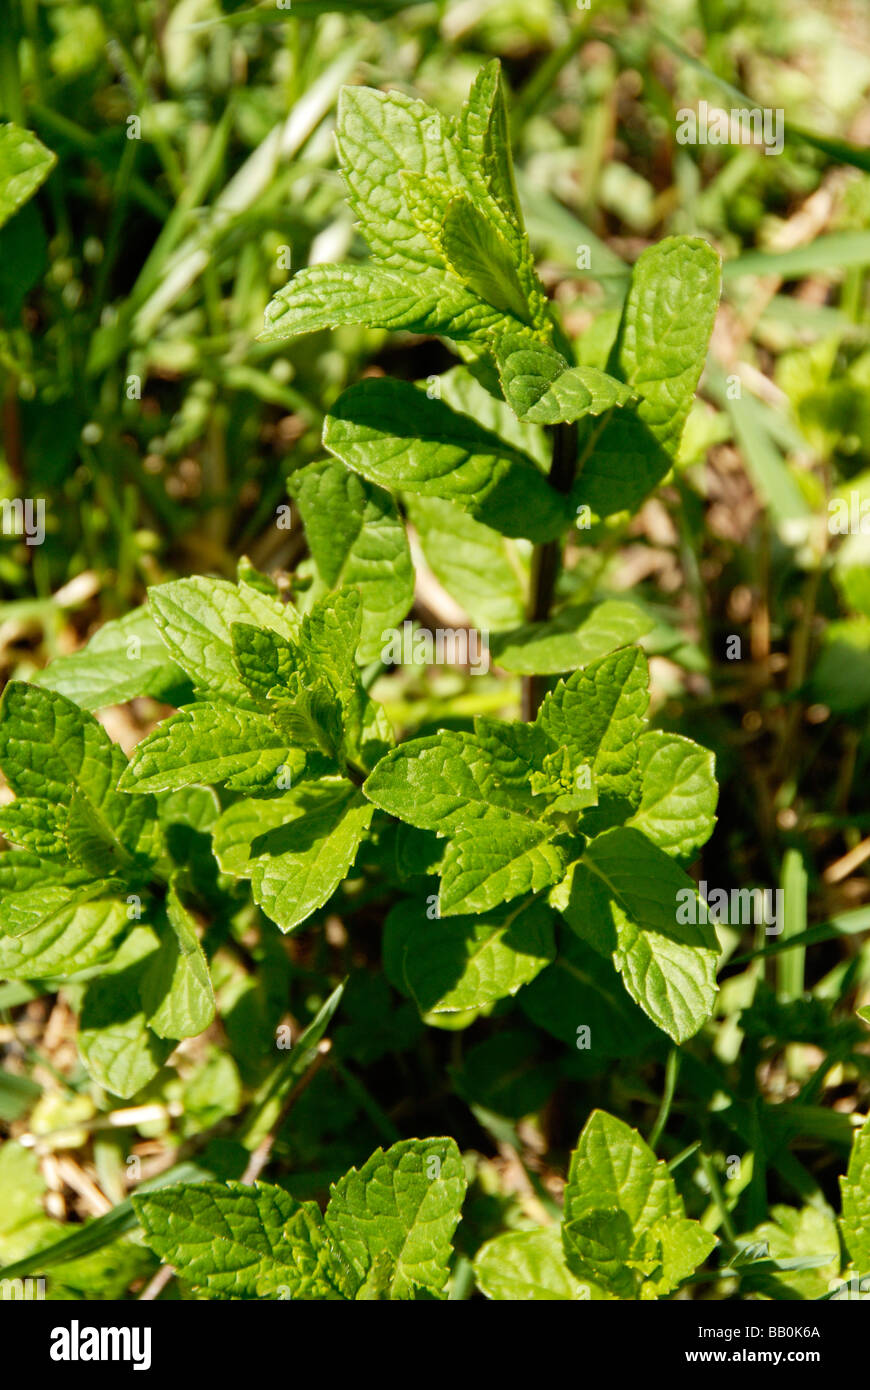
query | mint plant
[624, 1235]
[526, 859]
[580, 810]
[386, 1232]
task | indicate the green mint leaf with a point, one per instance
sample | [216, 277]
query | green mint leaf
[541, 387]
[677, 808]
[466, 962]
[556, 775]
[477, 252]
[525, 1266]
[681, 1246]
[195, 619]
[25, 164]
[368, 734]
[437, 204]
[52, 749]
[195, 808]
[177, 990]
[22, 869]
[386, 1232]
[125, 658]
[415, 853]
[599, 1244]
[24, 908]
[484, 138]
[445, 781]
[328, 640]
[120, 1051]
[317, 699]
[34, 823]
[574, 637]
[209, 743]
[391, 433]
[418, 301]
[512, 748]
[469, 244]
[405, 1202]
[621, 1203]
[295, 848]
[598, 715]
[666, 326]
[309, 714]
[491, 862]
[89, 843]
[54, 930]
[659, 353]
[486, 573]
[627, 899]
[507, 1074]
[855, 1188]
[357, 540]
[263, 659]
[621, 462]
[380, 136]
[187, 818]
[241, 1242]
[311, 688]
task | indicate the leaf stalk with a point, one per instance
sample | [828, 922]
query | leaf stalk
[546, 558]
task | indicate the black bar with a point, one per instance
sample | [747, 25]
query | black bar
[235, 1338]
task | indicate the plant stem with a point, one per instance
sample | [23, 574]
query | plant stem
[547, 557]
[262, 1153]
[718, 1198]
[671, 1070]
[10, 77]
